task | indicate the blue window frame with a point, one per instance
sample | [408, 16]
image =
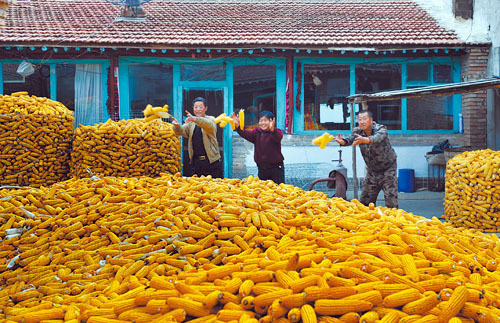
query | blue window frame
[55, 72]
[212, 74]
[400, 115]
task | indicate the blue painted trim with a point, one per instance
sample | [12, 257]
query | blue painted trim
[227, 146]
[228, 109]
[104, 82]
[153, 51]
[44, 48]
[298, 117]
[124, 97]
[352, 88]
[163, 51]
[404, 106]
[176, 109]
[456, 73]
[53, 82]
[32, 48]
[352, 61]
[281, 95]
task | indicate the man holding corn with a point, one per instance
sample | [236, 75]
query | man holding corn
[203, 149]
[380, 159]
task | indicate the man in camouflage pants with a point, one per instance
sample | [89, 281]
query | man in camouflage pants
[380, 159]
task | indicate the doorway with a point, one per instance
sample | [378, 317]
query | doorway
[215, 103]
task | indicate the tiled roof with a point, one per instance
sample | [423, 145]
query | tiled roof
[227, 24]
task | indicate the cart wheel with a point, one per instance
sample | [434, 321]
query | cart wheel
[340, 186]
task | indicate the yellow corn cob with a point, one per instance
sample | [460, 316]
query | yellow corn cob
[422, 305]
[340, 307]
[46, 314]
[231, 315]
[267, 298]
[241, 117]
[307, 314]
[369, 317]
[294, 315]
[192, 308]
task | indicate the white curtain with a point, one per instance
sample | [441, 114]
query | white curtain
[88, 94]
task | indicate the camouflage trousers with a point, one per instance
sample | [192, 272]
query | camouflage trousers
[386, 181]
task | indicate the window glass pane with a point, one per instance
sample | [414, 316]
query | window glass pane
[66, 85]
[203, 72]
[149, 84]
[37, 83]
[418, 72]
[375, 78]
[325, 91]
[442, 73]
[255, 91]
[430, 112]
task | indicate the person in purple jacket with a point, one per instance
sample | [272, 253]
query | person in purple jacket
[267, 150]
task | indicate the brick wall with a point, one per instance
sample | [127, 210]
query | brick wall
[474, 67]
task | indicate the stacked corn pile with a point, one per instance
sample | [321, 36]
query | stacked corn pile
[472, 197]
[133, 147]
[173, 249]
[35, 140]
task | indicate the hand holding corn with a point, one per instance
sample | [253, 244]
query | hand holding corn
[152, 113]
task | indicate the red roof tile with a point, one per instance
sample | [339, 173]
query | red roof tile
[227, 24]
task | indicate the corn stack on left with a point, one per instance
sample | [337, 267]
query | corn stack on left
[35, 140]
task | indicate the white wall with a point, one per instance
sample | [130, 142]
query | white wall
[484, 27]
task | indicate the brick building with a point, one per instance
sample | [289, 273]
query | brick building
[299, 59]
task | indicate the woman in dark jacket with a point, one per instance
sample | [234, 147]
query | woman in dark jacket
[267, 151]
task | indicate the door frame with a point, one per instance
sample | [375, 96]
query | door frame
[227, 145]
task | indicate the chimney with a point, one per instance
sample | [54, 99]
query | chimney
[463, 8]
[133, 9]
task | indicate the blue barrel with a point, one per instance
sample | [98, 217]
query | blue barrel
[406, 180]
